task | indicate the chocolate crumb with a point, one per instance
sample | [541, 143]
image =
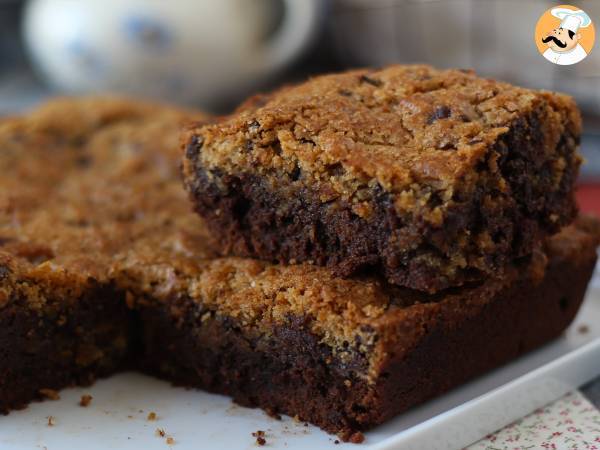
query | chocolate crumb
[357, 438]
[260, 437]
[151, 415]
[160, 432]
[336, 442]
[583, 329]
[50, 394]
[85, 400]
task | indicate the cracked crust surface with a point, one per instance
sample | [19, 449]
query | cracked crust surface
[78, 184]
[437, 177]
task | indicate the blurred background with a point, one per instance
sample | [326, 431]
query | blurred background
[213, 53]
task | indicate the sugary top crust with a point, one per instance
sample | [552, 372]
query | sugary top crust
[86, 182]
[398, 127]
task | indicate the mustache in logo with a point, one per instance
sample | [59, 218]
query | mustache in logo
[556, 41]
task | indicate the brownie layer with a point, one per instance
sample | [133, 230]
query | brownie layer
[289, 369]
[254, 220]
[268, 182]
[73, 342]
[75, 195]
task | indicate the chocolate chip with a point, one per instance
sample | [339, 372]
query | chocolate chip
[307, 141]
[367, 328]
[371, 81]
[295, 174]
[5, 240]
[4, 272]
[345, 92]
[79, 141]
[249, 145]
[335, 169]
[83, 161]
[194, 146]
[475, 141]
[440, 112]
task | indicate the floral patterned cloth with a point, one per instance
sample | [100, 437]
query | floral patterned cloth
[570, 423]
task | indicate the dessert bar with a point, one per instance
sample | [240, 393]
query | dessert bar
[434, 177]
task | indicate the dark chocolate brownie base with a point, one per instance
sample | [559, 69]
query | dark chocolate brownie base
[344, 171]
[293, 224]
[290, 371]
[77, 343]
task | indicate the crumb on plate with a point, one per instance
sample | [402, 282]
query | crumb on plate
[50, 394]
[85, 400]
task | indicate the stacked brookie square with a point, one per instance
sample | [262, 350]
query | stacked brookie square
[413, 228]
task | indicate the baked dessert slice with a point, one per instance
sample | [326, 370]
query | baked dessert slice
[75, 191]
[57, 328]
[103, 266]
[435, 177]
[346, 354]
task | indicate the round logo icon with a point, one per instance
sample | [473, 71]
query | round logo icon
[565, 35]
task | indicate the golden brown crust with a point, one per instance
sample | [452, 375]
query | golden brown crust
[79, 178]
[386, 126]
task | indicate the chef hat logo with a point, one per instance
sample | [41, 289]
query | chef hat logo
[564, 35]
[571, 20]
